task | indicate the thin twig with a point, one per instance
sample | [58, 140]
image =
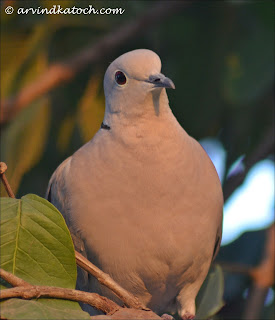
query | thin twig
[263, 274]
[95, 300]
[64, 71]
[128, 298]
[236, 268]
[263, 278]
[264, 148]
[28, 291]
[13, 279]
[3, 168]
[254, 303]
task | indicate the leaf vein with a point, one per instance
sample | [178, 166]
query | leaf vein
[56, 258]
[17, 235]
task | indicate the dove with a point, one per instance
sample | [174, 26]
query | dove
[142, 199]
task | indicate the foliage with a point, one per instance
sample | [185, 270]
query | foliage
[210, 298]
[25, 139]
[37, 247]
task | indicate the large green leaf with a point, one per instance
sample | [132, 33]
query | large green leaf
[211, 294]
[42, 309]
[36, 246]
[35, 242]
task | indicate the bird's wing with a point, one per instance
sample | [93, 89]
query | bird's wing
[57, 194]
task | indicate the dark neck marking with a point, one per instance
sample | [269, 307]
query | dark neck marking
[105, 126]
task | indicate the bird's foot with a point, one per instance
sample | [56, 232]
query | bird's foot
[188, 316]
[166, 316]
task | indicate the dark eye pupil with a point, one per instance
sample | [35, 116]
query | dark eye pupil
[120, 77]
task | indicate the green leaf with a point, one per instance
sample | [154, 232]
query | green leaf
[91, 109]
[249, 68]
[65, 133]
[9, 61]
[24, 138]
[42, 309]
[23, 141]
[23, 57]
[211, 294]
[268, 311]
[37, 247]
[35, 242]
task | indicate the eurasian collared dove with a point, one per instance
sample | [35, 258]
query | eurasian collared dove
[142, 198]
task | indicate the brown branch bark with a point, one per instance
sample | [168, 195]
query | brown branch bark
[25, 290]
[255, 302]
[129, 299]
[95, 300]
[64, 71]
[3, 168]
[264, 148]
[13, 279]
[236, 268]
[263, 274]
[263, 278]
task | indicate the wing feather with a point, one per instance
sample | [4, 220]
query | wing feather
[57, 194]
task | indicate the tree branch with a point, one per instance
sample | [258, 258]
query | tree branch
[3, 168]
[263, 274]
[129, 299]
[236, 268]
[13, 279]
[28, 291]
[263, 278]
[254, 303]
[264, 149]
[64, 71]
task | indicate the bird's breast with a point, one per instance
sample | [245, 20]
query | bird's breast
[141, 193]
[144, 212]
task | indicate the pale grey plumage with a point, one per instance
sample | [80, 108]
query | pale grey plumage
[142, 199]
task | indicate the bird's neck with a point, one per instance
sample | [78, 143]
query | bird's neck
[153, 108]
[153, 126]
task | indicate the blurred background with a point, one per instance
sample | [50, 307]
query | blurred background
[220, 55]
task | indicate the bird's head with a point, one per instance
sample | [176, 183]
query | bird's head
[133, 84]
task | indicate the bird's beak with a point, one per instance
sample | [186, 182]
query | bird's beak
[160, 81]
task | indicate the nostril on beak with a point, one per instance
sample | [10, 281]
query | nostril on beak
[157, 80]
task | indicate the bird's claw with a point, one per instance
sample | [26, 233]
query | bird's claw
[188, 316]
[166, 316]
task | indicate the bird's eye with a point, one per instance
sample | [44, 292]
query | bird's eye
[120, 78]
